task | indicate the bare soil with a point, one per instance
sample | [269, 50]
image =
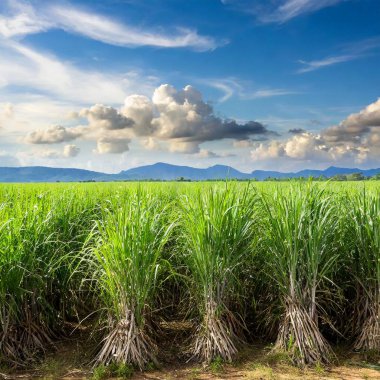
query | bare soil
[71, 360]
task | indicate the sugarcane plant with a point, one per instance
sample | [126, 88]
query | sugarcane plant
[300, 259]
[364, 231]
[216, 227]
[127, 261]
[28, 269]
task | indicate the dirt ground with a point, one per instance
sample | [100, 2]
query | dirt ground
[70, 360]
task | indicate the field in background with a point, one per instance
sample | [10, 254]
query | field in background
[152, 273]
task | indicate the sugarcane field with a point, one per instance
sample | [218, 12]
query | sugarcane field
[132, 279]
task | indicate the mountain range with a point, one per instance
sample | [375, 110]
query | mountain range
[162, 172]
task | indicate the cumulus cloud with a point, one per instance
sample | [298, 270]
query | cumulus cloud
[187, 121]
[103, 117]
[139, 108]
[46, 153]
[355, 139]
[270, 150]
[108, 145]
[105, 125]
[305, 146]
[70, 151]
[52, 135]
[356, 126]
[369, 116]
[109, 127]
[151, 143]
[180, 119]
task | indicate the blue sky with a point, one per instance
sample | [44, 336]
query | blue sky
[109, 85]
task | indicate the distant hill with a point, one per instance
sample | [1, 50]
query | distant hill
[306, 173]
[46, 174]
[169, 172]
[162, 172]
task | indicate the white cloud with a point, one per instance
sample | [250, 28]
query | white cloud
[105, 117]
[350, 52]
[305, 146]
[30, 113]
[233, 87]
[273, 149]
[70, 151]
[44, 73]
[356, 126]
[151, 143]
[178, 118]
[355, 140]
[369, 116]
[108, 145]
[140, 109]
[52, 135]
[315, 65]
[184, 117]
[287, 10]
[280, 11]
[46, 153]
[23, 19]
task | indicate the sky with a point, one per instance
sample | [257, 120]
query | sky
[107, 85]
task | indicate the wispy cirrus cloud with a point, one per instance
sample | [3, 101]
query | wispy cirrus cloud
[349, 52]
[233, 87]
[44, 73]
[281, 11]
[290, 9]
[22, 18]
[320, 63]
